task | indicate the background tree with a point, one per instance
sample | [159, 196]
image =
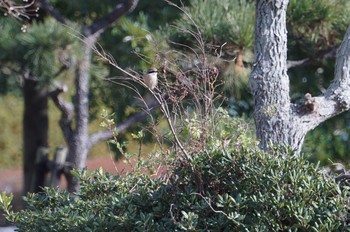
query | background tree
[34, 58]
[77, 138]
[42, 56]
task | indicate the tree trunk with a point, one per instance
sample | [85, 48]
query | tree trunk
[35, 135]
[278, 121]
[78, 142]
[269, 80]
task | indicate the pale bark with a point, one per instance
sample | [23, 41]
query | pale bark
[78, 141]
[278, 121]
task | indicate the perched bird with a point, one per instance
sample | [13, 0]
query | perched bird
[150, 78]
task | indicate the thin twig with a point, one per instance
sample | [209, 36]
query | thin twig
[216, 211]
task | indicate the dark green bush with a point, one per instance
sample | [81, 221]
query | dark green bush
[244, 190]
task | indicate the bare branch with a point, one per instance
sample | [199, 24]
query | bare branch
[17, 11]
[161, 101]
[100, 25]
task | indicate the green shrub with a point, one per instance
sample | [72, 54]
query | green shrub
[242, 190]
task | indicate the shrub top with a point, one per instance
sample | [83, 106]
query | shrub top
[242, 190]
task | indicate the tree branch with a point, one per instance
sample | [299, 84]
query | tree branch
[328, 53]
[340, 88]
[342, 177]
[337, 97]
[295, 63]
[108, 134]
[66, 109]
[46, 5]
[100, 25]
[18, 11]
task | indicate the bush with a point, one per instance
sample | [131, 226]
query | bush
[242, 190]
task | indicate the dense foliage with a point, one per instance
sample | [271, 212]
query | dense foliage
[236, 190]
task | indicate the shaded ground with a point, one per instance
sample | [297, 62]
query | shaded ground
[11, 180]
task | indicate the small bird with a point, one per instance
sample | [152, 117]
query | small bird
[150, 78]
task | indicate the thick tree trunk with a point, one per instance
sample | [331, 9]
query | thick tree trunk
[35, 136]
[278, 121]
[269, 80]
